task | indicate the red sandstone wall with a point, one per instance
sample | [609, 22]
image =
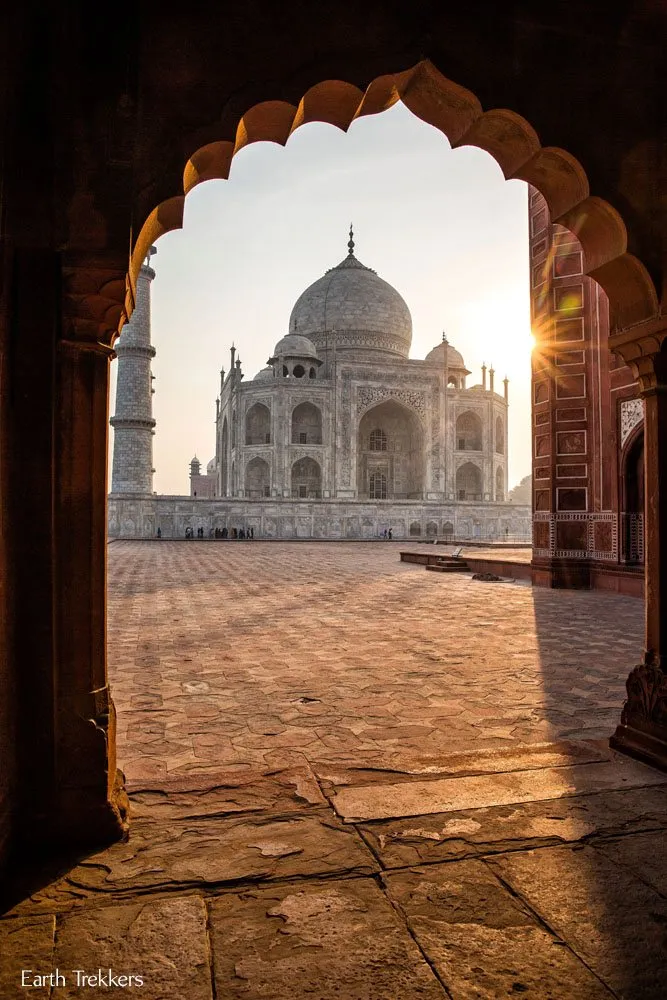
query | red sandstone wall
[577, 388]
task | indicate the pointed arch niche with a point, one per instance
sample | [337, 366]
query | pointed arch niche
[390, 453]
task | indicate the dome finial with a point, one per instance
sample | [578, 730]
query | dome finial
[444, 338]
[350, 243]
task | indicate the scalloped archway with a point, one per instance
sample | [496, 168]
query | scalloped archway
[458, 114]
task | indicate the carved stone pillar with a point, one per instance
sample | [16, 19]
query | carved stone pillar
[643, 729]
[91, 804]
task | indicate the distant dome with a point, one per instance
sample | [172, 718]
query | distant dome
[454, 357]
[265, 375]
[355, 309]
[294, 346]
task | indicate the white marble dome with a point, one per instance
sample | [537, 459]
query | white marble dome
[264, 375]
[294, 346]
[355, 309]
[454, 357]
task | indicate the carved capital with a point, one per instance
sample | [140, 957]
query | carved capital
[94, 294]
[647, 696]
[641, 347]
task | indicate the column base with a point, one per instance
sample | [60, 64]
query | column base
[569, 574]
[643, 729]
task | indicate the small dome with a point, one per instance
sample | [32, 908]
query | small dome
[295, 346]
[265, 375]
[454, 357]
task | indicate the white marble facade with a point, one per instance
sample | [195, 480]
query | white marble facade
[341, 412]
[343, 435]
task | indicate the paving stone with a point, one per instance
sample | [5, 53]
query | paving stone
[219, 794]
[613, 921]
[475, 832]
[330, 941]
[419, 798]
[167, 855]
[162, 941]
[406, 766]
[482, 941]
[26, 952]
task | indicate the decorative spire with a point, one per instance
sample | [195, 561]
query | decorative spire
[350, 243]
[151, 252]
[444, 338]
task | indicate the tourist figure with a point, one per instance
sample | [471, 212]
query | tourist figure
[159, 532]
[252, 532]
[390, 535]
[241, 533]
[225, 532]
[235, 533]
[384, 534]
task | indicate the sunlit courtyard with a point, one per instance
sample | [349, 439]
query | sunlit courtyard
[248, 653]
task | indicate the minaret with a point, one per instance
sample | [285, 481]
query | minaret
[133, 421]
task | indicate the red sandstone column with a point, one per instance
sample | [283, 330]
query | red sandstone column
[90, 800]
[643, 728]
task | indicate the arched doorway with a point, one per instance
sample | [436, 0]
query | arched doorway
[469, 482]
[500, 436]
[390, 453]
[258, 425]
[500, 483]
[469, 432]
[224, 459]
[633, 499]
[306, 479]
[257, 479]
[94, 314]
[306, 424]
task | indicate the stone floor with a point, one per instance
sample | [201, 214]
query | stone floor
[355, 780]
[244, 653]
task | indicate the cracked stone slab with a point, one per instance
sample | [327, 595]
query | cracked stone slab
[163, 941]
[615, 922]
[339, 940]
[483, 941]
[225, 793]
[406, 767]
[210, 853]
[420, 798]
[473, 832]
[26, 943]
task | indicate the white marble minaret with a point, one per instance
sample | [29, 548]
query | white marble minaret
[133, 421]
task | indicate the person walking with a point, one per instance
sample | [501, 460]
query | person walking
[159, 532]
[390, 535]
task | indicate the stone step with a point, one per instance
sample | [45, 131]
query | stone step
[458, 567]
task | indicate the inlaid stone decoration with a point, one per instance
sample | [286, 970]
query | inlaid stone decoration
[368, 396]
[632, 413]
[374, 427]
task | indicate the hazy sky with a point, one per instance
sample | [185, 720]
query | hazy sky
[441, 225]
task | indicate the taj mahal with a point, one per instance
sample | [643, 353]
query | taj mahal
[342, 435]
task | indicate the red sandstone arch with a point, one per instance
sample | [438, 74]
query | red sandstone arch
[457, 112]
